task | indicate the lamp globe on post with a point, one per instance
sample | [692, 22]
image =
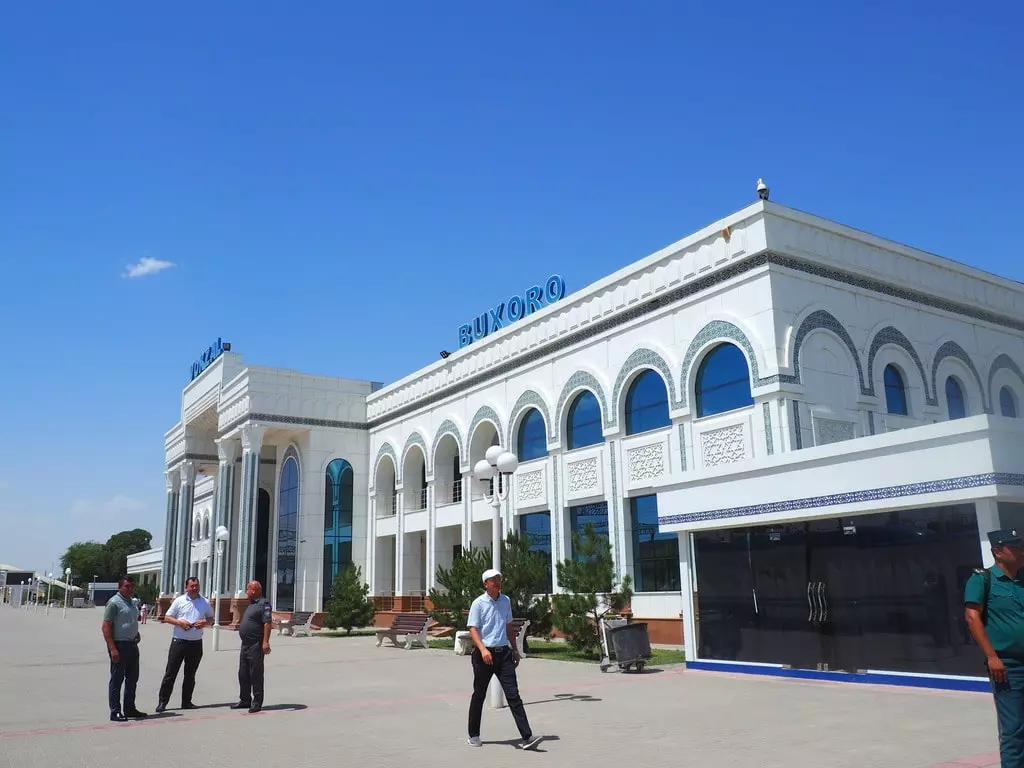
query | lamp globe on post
[222, 537]
[67, 589]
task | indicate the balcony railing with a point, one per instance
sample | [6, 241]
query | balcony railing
[448, 493]
[416, 500]
[387, 504]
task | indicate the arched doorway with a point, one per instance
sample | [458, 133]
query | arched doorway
[262, 554]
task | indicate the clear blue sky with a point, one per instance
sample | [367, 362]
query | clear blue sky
[339, 189]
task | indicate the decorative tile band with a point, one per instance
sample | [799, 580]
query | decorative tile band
[682, 446]
[769, 440]
[798, 437]
[615, 512]
[852, 497]
[954, 350]
[891, 335]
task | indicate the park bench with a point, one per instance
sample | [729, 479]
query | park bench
[464, 646]
[301, 621]
[413, 626]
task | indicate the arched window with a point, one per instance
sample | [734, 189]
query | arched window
[583, 427]
[895, 391]
[723, 381]
[287, 526]
[646, 404]
[533, 437]
[1007, 403]
[955, 402]
[337, 522]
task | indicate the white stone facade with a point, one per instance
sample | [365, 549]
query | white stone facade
[818, 311]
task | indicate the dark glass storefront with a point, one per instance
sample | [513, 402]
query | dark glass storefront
[872, 592]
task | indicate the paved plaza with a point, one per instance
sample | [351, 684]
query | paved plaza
[344, 701]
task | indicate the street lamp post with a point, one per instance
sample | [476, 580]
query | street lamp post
[22, 597]
[222, 539]
[49, 583]
[498, 466]
[67, 588]
[92, 590]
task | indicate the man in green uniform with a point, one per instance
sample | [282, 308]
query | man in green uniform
[121, 634]
[994, 609]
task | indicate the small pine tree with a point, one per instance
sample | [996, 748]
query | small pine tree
[461, 585]
[589, 582]
[350, 604]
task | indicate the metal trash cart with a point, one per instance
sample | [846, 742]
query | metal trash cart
[629, 643]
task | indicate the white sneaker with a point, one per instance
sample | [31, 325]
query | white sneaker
[474, 741]
[530, 743]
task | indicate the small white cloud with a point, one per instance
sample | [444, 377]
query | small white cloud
[147, 266]
[118, 508]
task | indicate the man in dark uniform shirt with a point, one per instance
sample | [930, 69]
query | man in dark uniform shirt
[254, 632]
[994, 609]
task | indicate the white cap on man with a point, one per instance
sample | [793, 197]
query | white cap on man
[490, 573]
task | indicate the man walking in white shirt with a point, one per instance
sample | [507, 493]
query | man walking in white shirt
[189, 613]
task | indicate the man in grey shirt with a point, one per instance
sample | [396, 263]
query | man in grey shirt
[121, 633]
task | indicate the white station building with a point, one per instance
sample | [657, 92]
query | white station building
[795, 435]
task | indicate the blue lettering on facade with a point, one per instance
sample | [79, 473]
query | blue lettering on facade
[516, 308]
[209, 355]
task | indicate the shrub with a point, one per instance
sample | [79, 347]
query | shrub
[350, 604]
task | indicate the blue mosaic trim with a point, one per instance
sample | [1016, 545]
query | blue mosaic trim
[645, 359]
[448, 427]
[385, 450]
[954, 350]
[582, 380]
[1003, 361]
[769, 439]
[300, 421]
[871, 422]
[615, 512]
[682, 446]
[891, 335]
[414, 439]
[822, 320]
[724, 331]
[556, 518]
[484, 413]
[529, 399]
[798, 435]
[852, 497]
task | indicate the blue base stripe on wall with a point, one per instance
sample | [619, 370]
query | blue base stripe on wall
[979, 685]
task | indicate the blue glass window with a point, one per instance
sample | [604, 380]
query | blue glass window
[895, 391]
[337, 522]
[584, 422]
[655, 554]
[955, 403]
[723, 381]
[287, 526]
[588, 513]
[1007, 403]
[646, 403]
[536, 526]
[533, 437]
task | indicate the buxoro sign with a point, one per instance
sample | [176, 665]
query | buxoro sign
[206, 359]
[516, 308]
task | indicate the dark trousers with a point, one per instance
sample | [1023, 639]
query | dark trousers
[1010, 715]
[250, 673]
[504, 666]
[190, 652]
[126, 672]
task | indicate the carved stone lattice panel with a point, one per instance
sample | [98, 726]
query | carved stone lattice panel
[530, 487]
[582, 475]
[828, 431]
[646, 462]
[723, 446]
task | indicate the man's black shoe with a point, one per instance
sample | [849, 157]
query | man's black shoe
[241, 705]
[255, 708]
[190, 705]
[161, 706]
[117, 717]
[136, 714]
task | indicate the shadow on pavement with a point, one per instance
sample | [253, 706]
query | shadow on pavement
[563, 697]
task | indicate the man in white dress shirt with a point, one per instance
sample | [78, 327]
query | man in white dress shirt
[189, 613]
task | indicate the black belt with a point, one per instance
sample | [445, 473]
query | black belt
[493, 648]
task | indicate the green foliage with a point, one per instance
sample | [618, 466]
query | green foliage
[590, 593]
[461, 586]
[521, 571]
[106, 562]
[147, 593]
[350, 604]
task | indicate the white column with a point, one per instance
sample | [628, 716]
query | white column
[252, 442]
[687, 581]
[987, 511]
[186, 495]
[170, 529]
[431, 564]
[227, 452]
[371, 543]
[400, 544]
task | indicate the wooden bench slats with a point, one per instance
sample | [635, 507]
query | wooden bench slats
[301, 621]
[413, 626]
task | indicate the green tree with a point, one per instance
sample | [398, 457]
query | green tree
[350, 604]
[86, 559]
[523, 571]
[147, 593]
[461, 586]
[122, 544]
[589, 581]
